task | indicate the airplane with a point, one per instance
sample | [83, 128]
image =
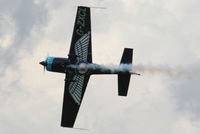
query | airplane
[78, 68]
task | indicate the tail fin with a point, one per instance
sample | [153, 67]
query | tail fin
[124, 79]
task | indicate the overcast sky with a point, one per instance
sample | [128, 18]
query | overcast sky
[165, 35]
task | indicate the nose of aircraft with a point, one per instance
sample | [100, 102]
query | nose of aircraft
[43, 63]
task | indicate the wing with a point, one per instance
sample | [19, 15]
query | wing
[73, 95]
[81, 49]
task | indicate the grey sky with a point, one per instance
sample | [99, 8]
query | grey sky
[162, 33]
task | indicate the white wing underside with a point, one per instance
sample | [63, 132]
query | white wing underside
[75, 88]
[81, 50]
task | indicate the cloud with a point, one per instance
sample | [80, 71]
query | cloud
[185, 93]
[25, 16]
[8, 31]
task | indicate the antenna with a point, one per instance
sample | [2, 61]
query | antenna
[99, 7]
[82, 129]
[94, 7]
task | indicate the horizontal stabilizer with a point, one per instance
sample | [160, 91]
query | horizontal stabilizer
[123, 84]
[127, 56]
[124, 79]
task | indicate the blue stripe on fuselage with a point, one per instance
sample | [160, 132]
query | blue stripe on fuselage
[49, 63]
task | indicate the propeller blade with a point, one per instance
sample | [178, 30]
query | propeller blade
[44, 63]
[44, 70]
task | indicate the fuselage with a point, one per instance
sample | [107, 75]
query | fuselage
[63, 65]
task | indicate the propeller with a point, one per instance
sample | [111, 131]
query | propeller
[44, 63]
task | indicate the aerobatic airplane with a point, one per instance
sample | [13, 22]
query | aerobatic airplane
[78, 68]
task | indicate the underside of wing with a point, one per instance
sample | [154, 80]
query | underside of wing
[73, 95]
[81, 49]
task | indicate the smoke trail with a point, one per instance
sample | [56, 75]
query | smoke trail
[109, 67]
[188, 72]
[178, 71]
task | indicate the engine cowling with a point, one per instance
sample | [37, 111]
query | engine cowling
[57, 64]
